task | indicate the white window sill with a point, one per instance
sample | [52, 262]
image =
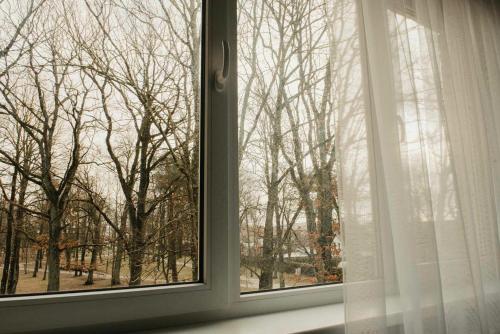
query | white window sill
[320, 319]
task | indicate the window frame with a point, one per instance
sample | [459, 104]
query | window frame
[218, 296]
[259, 302]
[100, 306]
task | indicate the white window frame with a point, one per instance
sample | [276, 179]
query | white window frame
[219, 296]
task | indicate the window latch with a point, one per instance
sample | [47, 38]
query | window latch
[221, 75]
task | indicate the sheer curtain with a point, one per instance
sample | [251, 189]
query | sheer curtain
[419, 170]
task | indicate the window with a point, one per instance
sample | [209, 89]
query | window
[299, 69]
[101, 145]
[125, 142]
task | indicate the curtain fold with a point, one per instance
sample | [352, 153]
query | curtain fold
[420, 177]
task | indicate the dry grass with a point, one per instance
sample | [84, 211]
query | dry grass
[29, 284]
[102, 278]
[249, 283]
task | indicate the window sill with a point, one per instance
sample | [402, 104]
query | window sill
[320, 319]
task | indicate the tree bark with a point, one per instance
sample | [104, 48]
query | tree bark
[46, 265]
[92, 267]
[266, 276]
[171, 228]
[54, 252]
[18, 222]
[9, 236]
[14, 266]
[96, 239]
[67, 254]
[136, 255]
[120, 249]
[117, 264]
[38, 262]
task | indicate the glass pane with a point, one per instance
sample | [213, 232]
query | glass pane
[99, 155]
[299, 66]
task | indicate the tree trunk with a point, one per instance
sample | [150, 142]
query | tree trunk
[193, 247]
[84, 248]
[14, 260]
[54, 253]
[325, 217]
[172, 258]
[279, 232]
[9, 236]
[77, 236]
[26, 256]
[46, 265]
[7, 256]
[136, 255]
[266, 275]
[18, 222]
[171, 228]
[179, 243]
[117, 263]
[2, 214]
[39, 253]
[324, 183]
[120, 249]
[38, 262]
[67, 254]
[92, 267]
[96, 239]
[267, 268]
[251, 259]
[14, 265]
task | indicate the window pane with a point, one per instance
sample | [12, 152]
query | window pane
[99, 155]
[299, 66]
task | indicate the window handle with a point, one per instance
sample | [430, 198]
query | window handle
[221, 75]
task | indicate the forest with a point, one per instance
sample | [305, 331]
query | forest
[100, 141]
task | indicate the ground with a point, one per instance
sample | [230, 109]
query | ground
[102, 278]
[250, 283]
[29, 284]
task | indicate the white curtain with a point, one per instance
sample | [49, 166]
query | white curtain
[420, 172]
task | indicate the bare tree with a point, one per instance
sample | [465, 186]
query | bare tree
[53, 105]
[298, 61]
[136, 73]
